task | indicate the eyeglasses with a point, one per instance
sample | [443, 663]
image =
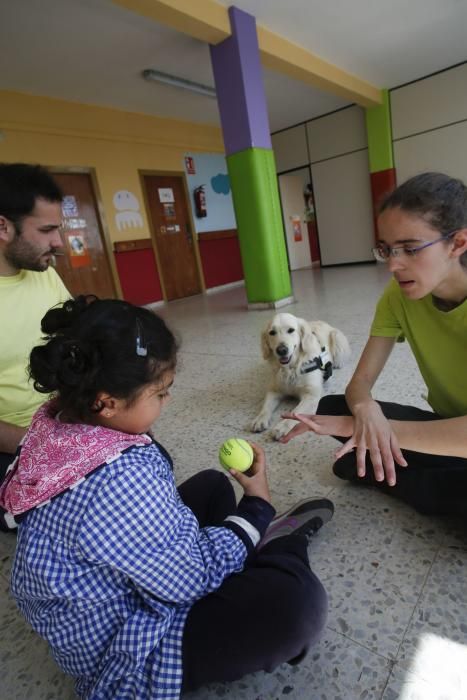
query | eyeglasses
[383, 252]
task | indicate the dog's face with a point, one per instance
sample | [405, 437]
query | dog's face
[282, 338]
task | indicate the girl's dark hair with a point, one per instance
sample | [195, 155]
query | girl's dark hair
[441, 200]
[95, 345]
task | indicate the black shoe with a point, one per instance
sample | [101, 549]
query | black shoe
[304, 518]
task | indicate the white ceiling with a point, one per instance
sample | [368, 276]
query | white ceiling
[93, 51]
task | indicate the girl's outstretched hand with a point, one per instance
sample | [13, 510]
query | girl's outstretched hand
[254, 482]
[321, 425]
[373, 433]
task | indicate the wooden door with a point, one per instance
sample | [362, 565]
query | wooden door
[171, 228]
[84, 267]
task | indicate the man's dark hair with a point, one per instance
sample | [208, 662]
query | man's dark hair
[20, 185]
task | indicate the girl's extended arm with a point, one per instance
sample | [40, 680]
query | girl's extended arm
[446, 436]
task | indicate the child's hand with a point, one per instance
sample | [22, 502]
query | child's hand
[321, 425]
[254, 482]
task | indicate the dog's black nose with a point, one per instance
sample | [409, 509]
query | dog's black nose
[282, 350]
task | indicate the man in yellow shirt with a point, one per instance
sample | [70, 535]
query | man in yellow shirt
[30, 219]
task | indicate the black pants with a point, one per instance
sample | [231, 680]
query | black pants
[270, 613]
[5, 459]
[434, 485]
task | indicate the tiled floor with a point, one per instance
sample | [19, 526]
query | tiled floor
[397, 624]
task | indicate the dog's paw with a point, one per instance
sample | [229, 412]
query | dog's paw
[260, 423]
[282, 428]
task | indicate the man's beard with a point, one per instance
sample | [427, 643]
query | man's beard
[24, 256]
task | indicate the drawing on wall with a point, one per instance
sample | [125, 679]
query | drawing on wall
[128, 214]
[220, 183]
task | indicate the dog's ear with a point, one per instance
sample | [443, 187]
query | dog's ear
[306, 336]
[338, 347]
[265, 347]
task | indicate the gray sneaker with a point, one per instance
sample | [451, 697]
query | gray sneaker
[304, 518]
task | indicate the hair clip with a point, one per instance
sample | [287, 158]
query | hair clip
[141, 351]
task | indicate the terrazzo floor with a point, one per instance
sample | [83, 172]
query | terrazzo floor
[397, 625]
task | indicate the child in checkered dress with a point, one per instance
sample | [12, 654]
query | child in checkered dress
[142, 589]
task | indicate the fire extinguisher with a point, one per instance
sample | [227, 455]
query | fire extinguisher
[200, 202]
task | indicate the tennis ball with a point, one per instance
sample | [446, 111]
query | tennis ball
[237, 454]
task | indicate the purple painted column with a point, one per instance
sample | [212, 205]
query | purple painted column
[239, 84]
[250, 162]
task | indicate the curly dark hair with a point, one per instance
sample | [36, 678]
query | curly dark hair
[99, 345]
[20, 185]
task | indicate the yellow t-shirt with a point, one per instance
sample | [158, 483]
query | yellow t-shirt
[438, 340]
[24, 300]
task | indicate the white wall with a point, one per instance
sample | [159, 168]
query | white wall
[429, 120]
[335, 146]
[341, 184]
[290, 148]
[343, 208]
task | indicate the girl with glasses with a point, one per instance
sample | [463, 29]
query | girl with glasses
[418, 455]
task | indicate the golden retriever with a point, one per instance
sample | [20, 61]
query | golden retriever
[302, 355]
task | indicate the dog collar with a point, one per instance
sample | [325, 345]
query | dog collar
[322, 361]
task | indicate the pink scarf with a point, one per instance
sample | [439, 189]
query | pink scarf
[55, 456]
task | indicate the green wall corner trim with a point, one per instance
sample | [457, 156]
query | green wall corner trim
[379, 133]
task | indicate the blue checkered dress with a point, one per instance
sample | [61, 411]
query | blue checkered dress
[107, 573]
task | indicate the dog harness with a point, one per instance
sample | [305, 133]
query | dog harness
[322, 361]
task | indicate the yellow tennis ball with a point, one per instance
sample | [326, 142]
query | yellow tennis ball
[237, 454]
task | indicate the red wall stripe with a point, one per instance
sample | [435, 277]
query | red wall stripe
[138, 276]
[221, 260]
[382, 182]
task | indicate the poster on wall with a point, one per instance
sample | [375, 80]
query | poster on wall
[69, 206]
[77, 249]
[166, 194]
[127, 206]
[297, 229]
[169, 210]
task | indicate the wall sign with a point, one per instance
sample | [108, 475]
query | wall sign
[69, 206]
[166, 194]
[190, 165]
[296, 228]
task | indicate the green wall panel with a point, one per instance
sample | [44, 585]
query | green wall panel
[379, 132]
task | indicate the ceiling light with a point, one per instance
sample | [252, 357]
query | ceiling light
[174, 81]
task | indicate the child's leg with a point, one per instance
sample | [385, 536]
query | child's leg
[210, 495]
[432, 484]
[270, 613]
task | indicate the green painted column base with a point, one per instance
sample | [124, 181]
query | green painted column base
[255, 196]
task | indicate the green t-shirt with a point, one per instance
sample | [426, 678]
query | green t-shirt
[24, 300]
[438, 340]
